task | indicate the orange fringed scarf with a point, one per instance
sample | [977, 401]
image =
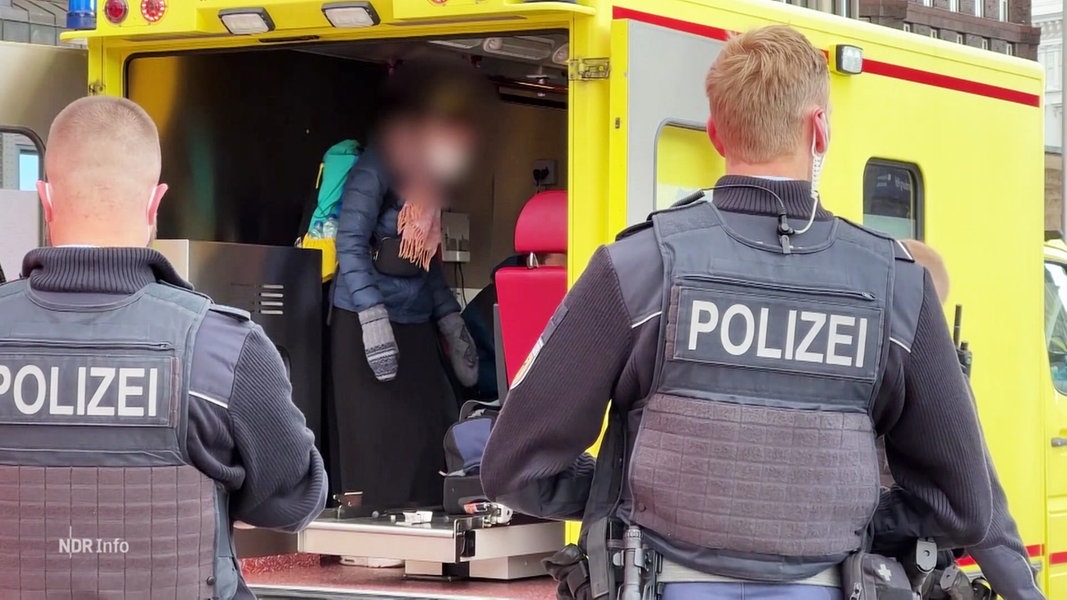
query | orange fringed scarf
[419, 226]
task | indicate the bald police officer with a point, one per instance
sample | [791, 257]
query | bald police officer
[139, 419]
[754, 346]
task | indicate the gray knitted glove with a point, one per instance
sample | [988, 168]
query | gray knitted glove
[379, 343]
[460, 348]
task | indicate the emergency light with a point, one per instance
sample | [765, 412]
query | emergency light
[350, 14]
[246, 21]
[81, 14]
[116, 11]
[848, 60]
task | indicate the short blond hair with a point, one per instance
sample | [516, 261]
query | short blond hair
[761, 86]
[103, 151]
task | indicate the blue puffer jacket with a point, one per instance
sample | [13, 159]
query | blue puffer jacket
[370, 207]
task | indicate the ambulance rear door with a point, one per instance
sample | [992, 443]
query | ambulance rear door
[1056, 421]
[659, 148]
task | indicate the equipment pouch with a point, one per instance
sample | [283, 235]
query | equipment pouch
[866, 576]
[387, 259]
[570, 569]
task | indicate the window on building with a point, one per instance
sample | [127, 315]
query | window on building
[928, 2]
[1009, 49]
[1002, 10]
[892, 198]
[29, 169]
[959, 38]
[985, 43]
[907, 27]
[954, 5]
[935, 33]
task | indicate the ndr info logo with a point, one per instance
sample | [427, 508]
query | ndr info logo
[72, 545]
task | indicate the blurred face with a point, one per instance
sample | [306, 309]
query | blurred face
[447, 148]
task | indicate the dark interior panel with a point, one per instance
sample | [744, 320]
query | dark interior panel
[243, 134]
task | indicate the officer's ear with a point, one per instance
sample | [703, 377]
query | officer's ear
[44, 193]
[822, 130]
[153, 202]
[713, 134]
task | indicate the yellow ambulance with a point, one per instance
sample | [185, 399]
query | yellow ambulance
[931, 140]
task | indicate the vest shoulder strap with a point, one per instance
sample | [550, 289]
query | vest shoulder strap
[689, 200]
[241, 316]
[12, 288]
[900, 252]
[188, 299]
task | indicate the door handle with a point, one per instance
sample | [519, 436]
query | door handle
[1059, 442]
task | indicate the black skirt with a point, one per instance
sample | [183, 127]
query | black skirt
[390, 435]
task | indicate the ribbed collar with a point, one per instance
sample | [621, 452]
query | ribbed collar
[796, 195]
[97, 270]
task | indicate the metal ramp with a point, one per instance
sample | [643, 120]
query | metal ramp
[306, 593]
[446, 546]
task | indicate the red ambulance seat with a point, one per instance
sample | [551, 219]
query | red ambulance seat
[527, 296]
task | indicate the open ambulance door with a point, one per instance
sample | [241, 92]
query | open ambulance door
[37, 81]
[1056, 423]
[659, 149]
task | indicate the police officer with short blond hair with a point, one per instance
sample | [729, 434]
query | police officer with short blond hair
[754, 347]
[139, 420]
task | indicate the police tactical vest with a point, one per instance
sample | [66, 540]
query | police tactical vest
[97, 496]
[756, 442]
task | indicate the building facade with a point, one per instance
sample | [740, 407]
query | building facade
[996, 25]
[1048, 16]
[32, 21]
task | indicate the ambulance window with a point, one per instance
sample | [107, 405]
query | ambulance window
[20, 162]
[685, 162]
[20, 168]
[892, 199]
[1056, 323]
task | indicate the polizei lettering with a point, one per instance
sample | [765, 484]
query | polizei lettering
[82, 390]
[804, 334]
[101, 391]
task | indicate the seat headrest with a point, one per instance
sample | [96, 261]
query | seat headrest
[542, 224]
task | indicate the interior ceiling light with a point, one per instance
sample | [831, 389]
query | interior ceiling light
[350, 15]
[466, 44]
[246, 21]
[527, 48]
[562, 54]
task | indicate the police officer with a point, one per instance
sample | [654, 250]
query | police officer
[754, 346]
[139, 419]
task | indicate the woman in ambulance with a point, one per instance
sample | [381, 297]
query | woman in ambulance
[392, 305]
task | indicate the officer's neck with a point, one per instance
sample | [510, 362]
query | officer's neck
[795, 167]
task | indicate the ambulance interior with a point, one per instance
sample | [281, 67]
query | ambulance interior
[244, 132]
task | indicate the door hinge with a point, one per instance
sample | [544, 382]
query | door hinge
[588, 69]
[96, 88]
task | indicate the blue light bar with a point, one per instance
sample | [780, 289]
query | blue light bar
[81, 14]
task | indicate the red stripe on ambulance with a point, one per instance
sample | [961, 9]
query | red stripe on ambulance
[873, 67]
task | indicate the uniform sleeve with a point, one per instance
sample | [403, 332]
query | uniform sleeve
[535, 460]
[284, 485]
[361, 202]
[935, 448]
[444, 302]
[1002, 556]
